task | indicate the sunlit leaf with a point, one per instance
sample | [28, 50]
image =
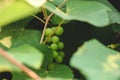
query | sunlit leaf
[36, 3]
[88, 11]
[97, 62]
[16, 35]
[6, 41]
[24, 54]
[28, 55]
[14, 12]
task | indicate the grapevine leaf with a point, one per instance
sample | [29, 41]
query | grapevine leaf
[97, 62]
[5, 65]
[9, 33]
[15, 35]
[31, 37]
[18, 36]
[48, 55]
[15, 11]
[60, 72]
[92, 12]
[88, 11]
[114, 15]
[57, 72]
[52, 78]
[17, 76]
[56, 20]
[24, 54]
[28, 55]
[34, 35]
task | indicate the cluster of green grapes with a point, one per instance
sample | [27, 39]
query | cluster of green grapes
[55, 44]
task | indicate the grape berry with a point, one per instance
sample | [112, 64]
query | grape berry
[55, 39]
[48, 32]
[55, 44]
[59, 31]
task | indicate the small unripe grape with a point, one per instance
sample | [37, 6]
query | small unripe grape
[48, 31]
[59, 59]
[54, 46]
[55, 54]
[61, 53]
[51, 66]
[60, 45]
[55, 39]
[59, 31]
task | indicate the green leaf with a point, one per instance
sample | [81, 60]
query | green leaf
[48, 55]
[15, 11]
[92, 12]
[5, 65]
[96, 61]
[56, 20]
[31, 37]
[13, 35]
[52, 78]
[20, 76]
[114, 15]
[60, 71]
[28, 55]
[24, 54]
[88, 11]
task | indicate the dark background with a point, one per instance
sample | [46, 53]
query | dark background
[116, 4]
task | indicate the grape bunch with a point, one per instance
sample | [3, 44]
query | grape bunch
[55, 44]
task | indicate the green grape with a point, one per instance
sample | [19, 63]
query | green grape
[51, 66]
[59, 59]
[55, 39]
[54, 46]
[60, 45]
[48, 31]
[61, 53]
[59, 31]
[55, 54]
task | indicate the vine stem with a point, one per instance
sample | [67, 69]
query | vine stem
[25, 69]
[47, 20]
[38, 18]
